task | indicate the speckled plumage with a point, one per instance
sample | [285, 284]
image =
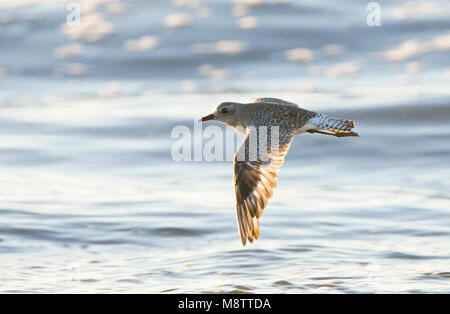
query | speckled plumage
[270, 125]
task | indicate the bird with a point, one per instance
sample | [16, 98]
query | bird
[272, 122]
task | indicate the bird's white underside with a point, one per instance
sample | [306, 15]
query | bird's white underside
[306, 127]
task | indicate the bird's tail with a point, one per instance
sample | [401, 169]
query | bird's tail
[333, 126]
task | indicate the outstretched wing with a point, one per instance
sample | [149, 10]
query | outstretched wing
[256, 166]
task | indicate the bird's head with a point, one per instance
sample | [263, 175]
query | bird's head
[226, 112]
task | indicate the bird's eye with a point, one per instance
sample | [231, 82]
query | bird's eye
[224, 110]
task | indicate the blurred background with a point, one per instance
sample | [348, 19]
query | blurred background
[91, 200]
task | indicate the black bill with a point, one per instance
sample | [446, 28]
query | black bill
[208, 117]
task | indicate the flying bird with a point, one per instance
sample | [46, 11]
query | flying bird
[269, 125]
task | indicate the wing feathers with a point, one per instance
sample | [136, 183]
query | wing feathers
[254, 185]
[274, 101]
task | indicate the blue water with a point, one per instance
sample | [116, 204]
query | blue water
[92, 201]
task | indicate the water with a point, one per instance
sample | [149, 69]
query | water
[91, 200]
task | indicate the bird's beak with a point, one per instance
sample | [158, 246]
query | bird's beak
[208, 117]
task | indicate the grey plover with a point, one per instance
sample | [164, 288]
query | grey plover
[255, 174]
